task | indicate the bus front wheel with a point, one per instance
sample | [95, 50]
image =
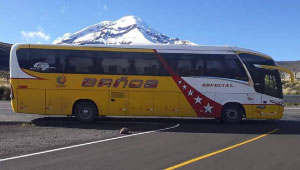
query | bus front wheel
[85, 111]
[232, 114]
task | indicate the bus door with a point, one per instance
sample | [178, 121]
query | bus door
[269, 108]
[118, 103]
[140, 103]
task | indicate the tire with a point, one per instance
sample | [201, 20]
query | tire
[85, 111]
[232, 114]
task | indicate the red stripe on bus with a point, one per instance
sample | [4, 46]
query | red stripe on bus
[202, 105]
[33, 75]
[22, 86]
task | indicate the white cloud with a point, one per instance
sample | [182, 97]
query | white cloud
[105, 7]
[59, 39]
[35, 36]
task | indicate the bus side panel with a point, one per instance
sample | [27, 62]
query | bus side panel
[31, 101]
[14, 101]
[166, 103]
[53, 102]
[100, 98]
[185, 108]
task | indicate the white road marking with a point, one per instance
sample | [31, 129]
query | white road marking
[291, 108]
[84, 144]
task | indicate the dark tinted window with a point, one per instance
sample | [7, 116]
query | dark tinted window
[212, 65]
[265, 81]
[215, 66]
[131, 63]
[147, 64]
[255, 59]
[37, 60]
[185, 65]
[234, 68]
[23, 57]
[114, 63]
[270, 85]
[90, 62]
[200, 66]
[72, 61]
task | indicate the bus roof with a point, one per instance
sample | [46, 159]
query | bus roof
[161, 47]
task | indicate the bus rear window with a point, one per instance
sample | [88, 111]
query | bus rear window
[37, 60]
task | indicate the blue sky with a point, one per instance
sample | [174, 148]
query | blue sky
[268, 26]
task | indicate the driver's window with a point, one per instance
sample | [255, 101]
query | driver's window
[270, 85]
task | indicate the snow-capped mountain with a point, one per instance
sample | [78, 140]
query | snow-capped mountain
[127, 30]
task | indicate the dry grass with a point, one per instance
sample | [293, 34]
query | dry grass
[4, 79]
[4, 83]
[291, 88]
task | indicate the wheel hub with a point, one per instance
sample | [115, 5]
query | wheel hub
[232, 114]
[85, 112]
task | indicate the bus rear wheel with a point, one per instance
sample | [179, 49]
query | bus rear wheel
[232, 114]
[85, 111]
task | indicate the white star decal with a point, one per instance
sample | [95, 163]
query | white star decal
[184, 86]
[197, 100]
[179, 82]
[208, 108]
[190, 93]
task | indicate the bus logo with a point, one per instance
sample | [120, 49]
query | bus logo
[61, 79]
[122, 82]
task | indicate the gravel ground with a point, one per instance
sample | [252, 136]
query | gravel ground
[50, 133]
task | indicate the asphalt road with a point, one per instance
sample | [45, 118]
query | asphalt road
[214, 145]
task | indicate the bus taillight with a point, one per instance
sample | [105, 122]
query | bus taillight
[11, 93]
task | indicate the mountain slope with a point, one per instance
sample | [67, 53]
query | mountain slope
[4, 56]
[292, 65]
[127, 30]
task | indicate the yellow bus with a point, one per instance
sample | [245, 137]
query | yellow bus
[223, 82]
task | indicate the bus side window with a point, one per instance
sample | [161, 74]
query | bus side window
[79, 62]
[97, 60]
[112, 64]
[184, 67]
[234, 68]
[172, 61]
[42, 60]
[199, 67]
[23, 57]
[61, 63]
[270, 86]
[214, 67]
[146, 66]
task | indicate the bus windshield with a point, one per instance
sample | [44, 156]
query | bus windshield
[266, 81]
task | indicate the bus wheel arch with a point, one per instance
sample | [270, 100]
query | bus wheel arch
[232, 112]
[85, 110]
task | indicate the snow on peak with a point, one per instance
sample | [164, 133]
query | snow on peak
[128, 20]
[126, 30]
